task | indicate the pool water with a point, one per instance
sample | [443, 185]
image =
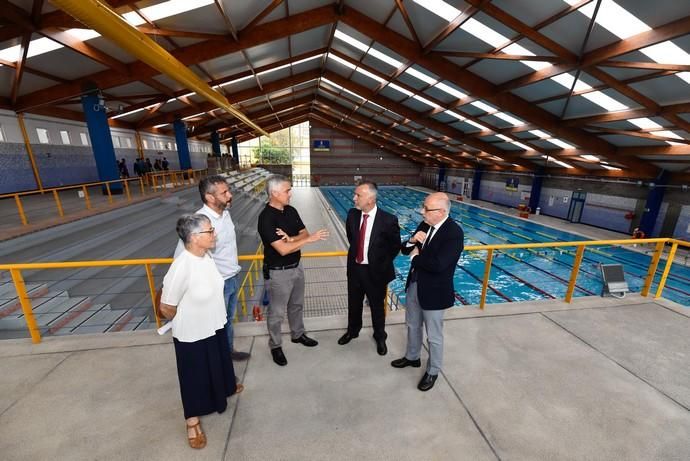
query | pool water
[516, 275]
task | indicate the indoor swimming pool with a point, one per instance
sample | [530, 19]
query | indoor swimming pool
[516, 275]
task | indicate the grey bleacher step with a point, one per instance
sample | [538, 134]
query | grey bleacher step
[8, 294]
[74, 319]
[48, 312]
[100, 322]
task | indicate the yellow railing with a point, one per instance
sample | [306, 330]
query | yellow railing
[154, 180]
[254, 270]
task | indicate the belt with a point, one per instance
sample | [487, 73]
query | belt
[280, 268]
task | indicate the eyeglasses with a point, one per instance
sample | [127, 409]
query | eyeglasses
[210, 231]
[424, 209]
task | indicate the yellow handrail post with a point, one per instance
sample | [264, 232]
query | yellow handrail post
[110, 196]
[573, 275]
[20, 209]
[30, 152]
[243, 301]
[667, 269]
[58, 204]
[152, 291]
[251, 283]
[26, 305]
[651, 270]
[141, 186]
[154, 186]
[487, 273]
[129, 197]
[87, 200]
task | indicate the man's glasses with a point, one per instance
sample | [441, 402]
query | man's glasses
[424, 209]
[210, 231]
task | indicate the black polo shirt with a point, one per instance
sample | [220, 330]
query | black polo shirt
[269, 220]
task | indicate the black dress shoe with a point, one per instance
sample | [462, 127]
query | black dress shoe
[306, 340]
[404, 362]
[239, 356]
[427, 382]
[346, 338]
[278, 356]
[381, 347]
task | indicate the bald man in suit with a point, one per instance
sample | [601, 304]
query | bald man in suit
[374, 237]
[434, 249]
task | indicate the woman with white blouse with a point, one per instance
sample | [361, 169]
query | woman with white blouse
[193, 298]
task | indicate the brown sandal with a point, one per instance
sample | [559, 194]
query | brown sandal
[198, 441]
[239, 388]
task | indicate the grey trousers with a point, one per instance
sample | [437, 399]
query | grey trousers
[286, 292]
[433, 323]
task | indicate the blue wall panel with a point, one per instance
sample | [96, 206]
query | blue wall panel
[16, 169]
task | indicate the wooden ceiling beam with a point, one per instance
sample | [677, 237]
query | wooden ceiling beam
[189, 55]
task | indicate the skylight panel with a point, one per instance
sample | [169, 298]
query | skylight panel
[478, 125]
[454, 114]
[450, 90]
[426, 101]
[504, 137]
[645, 123]
[307, 59]
[370, 75]
[161, 125]
[558, 162]
[540, 134]
[613, 18]
[590, 157]
[350, 40]
[567, 81]
[483, 106]
[609, 167]
[384, 57]
[400, 89]
[520, 50]
[484, 33]
[667, 53]
[331, 83]
[342, 61]
[420, 75]
[83, 34]
[559, 143]
[165, 10]
[521, 145]
[440, 8]
[124, 114]
[509, 118]
[605, 101]
[193, 116]
[237, 80]
[268, 71]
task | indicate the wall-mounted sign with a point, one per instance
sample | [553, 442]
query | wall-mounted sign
[512, 184]
[321, 145]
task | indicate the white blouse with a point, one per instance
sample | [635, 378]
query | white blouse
[195, 286]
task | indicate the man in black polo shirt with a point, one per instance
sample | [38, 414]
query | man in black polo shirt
[283, 234]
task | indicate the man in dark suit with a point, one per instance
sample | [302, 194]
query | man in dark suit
[374, 237]
[434, 250]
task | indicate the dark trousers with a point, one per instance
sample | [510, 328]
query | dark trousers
[360, 283]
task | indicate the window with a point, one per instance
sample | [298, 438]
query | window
[42, 135]
[64, 135]
[2, 135]
[84, 139]
[145, 143]
[116, 141]
[168, 145]
[128, 142]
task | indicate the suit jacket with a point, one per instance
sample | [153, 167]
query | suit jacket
[435, 265]
[384, 243]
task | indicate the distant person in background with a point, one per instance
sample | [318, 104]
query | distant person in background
[122, 166]
[434, 251]
[193, 298]
[148, 167]
[165, 164]
[137, 167]
[157, 165]
[217, 198]
[283, 234]
[374, 238]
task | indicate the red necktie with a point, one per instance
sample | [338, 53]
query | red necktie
[360, 242]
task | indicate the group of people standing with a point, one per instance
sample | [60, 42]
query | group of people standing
[200, 288]
[142, 167]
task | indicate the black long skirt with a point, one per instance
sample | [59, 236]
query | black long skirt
[207, 377]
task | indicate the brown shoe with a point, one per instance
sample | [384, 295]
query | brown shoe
[198, 440]
[239, 388]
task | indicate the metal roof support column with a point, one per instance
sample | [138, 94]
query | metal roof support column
[653, 205]
[476, 182]
[235, 150]
[215, 143]
[101, 140]
[535, 193]
[182, 146]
